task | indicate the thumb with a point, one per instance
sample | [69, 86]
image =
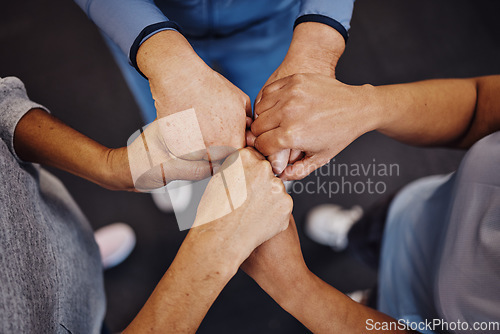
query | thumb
[302, 168]
[279, 161]
[179, 169]
[258, 98]
[248, 107]
[250, 138]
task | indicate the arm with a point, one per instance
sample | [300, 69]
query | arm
[319, 37]
[448, 112]
[41, 138]
[187, 290]
[36, 136]
[279, 268]
[33, 135]
[212, 252]
[178, 78]
[318, 42]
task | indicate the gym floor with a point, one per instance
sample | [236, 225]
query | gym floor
[62, 59]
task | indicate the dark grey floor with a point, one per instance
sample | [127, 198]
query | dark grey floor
[65, 65]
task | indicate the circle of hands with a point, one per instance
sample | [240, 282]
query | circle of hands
[202, 118]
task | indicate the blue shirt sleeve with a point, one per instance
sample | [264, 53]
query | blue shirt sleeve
[123, 21]
[335, 13]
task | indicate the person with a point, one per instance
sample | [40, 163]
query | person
[439, 258]
[249, 42]
[51, 270]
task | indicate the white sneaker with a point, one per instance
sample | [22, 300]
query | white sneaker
[288, 186]
[329, 224]
[116, 242]
[177, 197]
[360, 296]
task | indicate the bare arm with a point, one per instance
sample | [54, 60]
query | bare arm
[179, 79]
[279, 268]
[447, 112]
[315, 48]
[42, 138]
[321, 116]
[212, 252]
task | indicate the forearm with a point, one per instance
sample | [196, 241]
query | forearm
[324, 309]
[41, 138]
[449, 112]
[279, 269]
[187, 290]
[165, 54]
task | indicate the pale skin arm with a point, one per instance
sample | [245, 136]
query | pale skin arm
[315, 48]
[279, 268]
[211, 253]
[446, 112]
[180, 80]
[187, 290]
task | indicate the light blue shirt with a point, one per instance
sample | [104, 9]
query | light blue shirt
[123, 20]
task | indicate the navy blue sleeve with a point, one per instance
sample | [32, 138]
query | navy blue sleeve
[335, 13]
[128, 23]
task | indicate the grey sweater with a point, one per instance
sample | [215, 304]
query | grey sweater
[50, 269]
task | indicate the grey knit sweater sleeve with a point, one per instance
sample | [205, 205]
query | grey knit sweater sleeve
[50, 269]
[14, 104]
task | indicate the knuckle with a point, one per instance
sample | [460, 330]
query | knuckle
[245, 153]
[288, 202]
[298, 78]
[254, 127]
[265, 166]
[285, 222]
[265, 90]
[286, 140]
[296, 90]
[290, 105]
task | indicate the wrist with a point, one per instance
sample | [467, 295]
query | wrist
[377, 113]
[280, 278]
[316, 47]
[115, 173]
[211, 247]
[165, 50]
[291, 296]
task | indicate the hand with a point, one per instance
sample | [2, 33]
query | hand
[148, 159]
[312, 113]
[315, 48]
[259, 207]
[180, 80]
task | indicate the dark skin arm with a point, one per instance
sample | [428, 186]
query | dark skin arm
[42, 138]
[279, 268]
